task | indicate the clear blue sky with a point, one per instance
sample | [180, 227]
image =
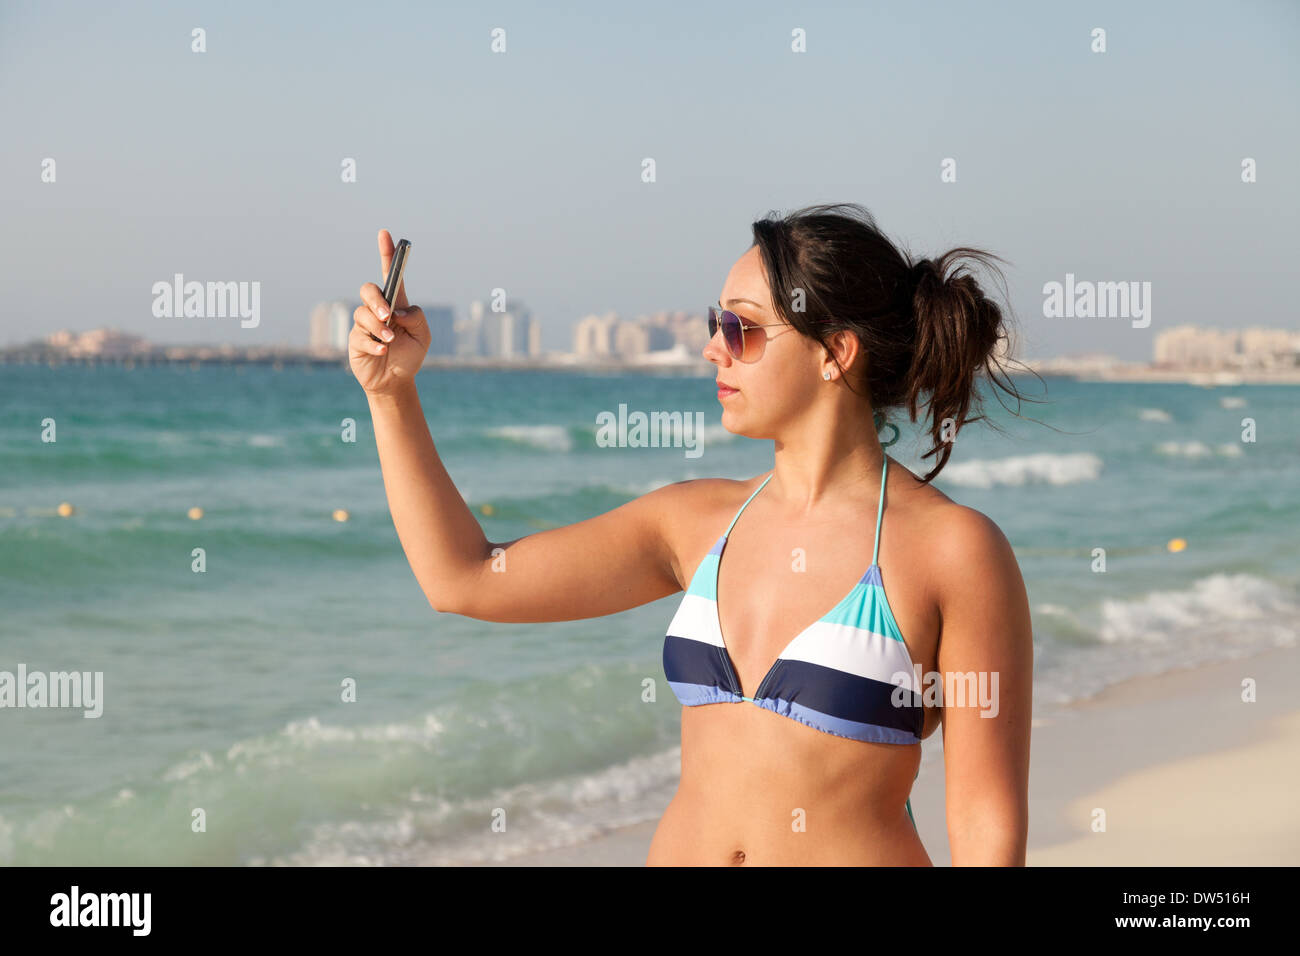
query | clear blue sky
[522, 170]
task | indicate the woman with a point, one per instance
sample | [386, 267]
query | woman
[816, 764]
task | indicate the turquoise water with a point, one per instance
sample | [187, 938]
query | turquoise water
[222, 688]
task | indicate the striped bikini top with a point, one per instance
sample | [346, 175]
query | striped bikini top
[847, 674]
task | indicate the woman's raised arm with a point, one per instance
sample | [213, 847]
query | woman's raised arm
[609, 563]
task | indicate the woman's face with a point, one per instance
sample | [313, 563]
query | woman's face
[781, 377]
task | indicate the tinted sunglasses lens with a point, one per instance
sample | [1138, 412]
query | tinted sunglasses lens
[732, 332]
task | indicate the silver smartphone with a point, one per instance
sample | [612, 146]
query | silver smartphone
[394, 280]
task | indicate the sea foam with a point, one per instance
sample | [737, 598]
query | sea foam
[1041, 469]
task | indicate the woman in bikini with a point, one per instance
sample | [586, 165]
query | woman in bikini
[800, 734]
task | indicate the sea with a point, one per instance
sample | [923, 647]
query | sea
[276, 690]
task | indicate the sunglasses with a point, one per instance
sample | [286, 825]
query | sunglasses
[744, 344]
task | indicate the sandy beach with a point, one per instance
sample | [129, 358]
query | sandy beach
[1185, 770]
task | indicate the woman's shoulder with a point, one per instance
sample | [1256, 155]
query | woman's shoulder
[694, 512]
[969, 571]
[698, 508]
[699, 496]
[955, 535]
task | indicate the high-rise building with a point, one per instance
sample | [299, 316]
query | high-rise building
[513, 333]
[330, 324]
[469, 333]
[318, 335]
[593, 335]
[534, 338]
[1189, 346]
[442, 329]
[607, 335]
[630, 339]
[689, 331]
[498, 334]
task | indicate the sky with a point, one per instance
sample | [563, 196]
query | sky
[522, 169]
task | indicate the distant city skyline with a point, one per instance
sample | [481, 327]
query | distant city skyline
[1263, 354]
[612, 160]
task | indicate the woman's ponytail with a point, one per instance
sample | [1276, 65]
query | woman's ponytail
[957, 334]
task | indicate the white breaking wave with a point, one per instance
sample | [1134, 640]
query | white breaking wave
[1221, 604]
[432, 831]
[716, 433]
[306, 735]
[1056, 609]
[190, 766]
[637, 489]
[1197, 449]
[1155, 415]
[1041, 469]
[1219, 617]
[1232, 401]
[546, 437]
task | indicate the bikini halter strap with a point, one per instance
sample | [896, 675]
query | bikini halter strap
[880, 509]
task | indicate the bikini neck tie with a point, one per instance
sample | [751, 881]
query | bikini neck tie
[879, 419]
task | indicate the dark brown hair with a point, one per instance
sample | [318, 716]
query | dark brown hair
[925, 327]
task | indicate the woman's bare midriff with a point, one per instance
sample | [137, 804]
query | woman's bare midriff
[760, 789]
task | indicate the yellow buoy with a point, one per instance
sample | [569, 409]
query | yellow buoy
[1176, 545]
[195, 513]
[485, 509]
[340, 514]
[65, 510]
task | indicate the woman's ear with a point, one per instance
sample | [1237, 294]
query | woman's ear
[846, 346]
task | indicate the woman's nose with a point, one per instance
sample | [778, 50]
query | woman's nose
[714, 349]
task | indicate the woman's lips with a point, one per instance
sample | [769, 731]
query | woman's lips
[725, 390]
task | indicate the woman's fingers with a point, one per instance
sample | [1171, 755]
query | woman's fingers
[386, 248]
[362, 341]
[372, 298]
[368, 322]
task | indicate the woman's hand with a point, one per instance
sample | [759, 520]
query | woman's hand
[389, 364]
